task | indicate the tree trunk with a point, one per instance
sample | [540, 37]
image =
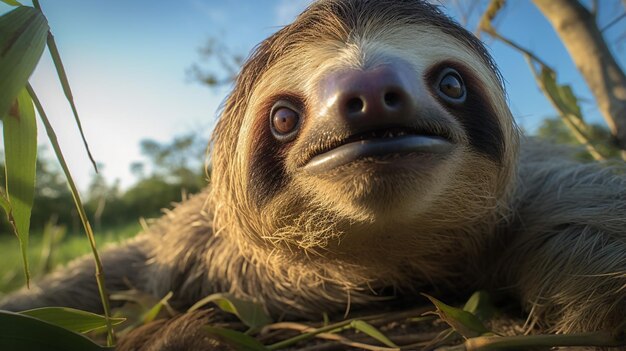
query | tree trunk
[579, 32]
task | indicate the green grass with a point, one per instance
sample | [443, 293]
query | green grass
[68, 247]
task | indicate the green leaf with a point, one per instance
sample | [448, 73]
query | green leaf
[4, 203]
[480, 305]
[238, 340]
[58, 64]
[23, 33]
[372, 331]
[24, 333]
[20, 145]
[11, 2]
[562, 95]
[250, 313]
[71, 319]
[465, 323]
[153, 312]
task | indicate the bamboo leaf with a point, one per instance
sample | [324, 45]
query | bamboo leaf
[25, 333]
[20, 145]
[153, 312]
[58, 64]
[250, 313]
[372, 331]
[465, 323]
[11, 2]
[4, 202]
[238, 340]
[71, 319]
[22, 39]
[480, 305]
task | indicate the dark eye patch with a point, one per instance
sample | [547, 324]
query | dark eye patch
[473, 110]
[268, 147]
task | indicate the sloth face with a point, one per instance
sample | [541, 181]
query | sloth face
[374, 112]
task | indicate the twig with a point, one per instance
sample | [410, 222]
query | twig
[594, 9]
[577, 126]
[613, 22]
[327, 332]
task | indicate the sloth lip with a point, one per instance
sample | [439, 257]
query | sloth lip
[378, 144]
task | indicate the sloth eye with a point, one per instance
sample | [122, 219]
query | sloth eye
[284, 121]
[451, 86]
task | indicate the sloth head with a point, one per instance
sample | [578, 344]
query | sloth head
[365, 123]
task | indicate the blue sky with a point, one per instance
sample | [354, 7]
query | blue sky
[127, 63]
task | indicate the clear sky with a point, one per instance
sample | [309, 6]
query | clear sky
[127, 63]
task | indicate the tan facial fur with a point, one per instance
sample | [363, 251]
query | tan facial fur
[362, 203]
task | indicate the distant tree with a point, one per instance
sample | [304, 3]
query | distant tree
[52, 196]
[218, 64]
[102, 196]
[181, 161]
[171, 171]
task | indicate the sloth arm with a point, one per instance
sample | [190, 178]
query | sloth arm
[573, 281]
[567, 258]
[75, 285]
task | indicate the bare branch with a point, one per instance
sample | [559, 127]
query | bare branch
[576, 125]
[614, 21]
[590, 52]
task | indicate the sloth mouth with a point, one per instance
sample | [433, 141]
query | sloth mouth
[379, 144]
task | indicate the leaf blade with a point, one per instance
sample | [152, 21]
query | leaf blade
[153, 312]
[20, 145]
[20, 332]
[250, 313]
[71, 319]
[58, 64]
[464, 322]
[23, 33]
[11, 2]
[370, 330]
[480, 305]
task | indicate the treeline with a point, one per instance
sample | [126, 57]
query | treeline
[169, 171]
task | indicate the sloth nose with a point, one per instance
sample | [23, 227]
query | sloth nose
[366, 99]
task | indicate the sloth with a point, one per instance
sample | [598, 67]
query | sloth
[367, 153]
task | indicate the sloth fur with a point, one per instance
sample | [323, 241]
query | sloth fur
[493, 213]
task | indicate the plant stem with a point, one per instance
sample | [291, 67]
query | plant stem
[598, 339]
[81, 212]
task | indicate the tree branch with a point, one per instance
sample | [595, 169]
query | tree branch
[580, 34]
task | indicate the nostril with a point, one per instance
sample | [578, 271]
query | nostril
[355, 105]
[392, 99]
